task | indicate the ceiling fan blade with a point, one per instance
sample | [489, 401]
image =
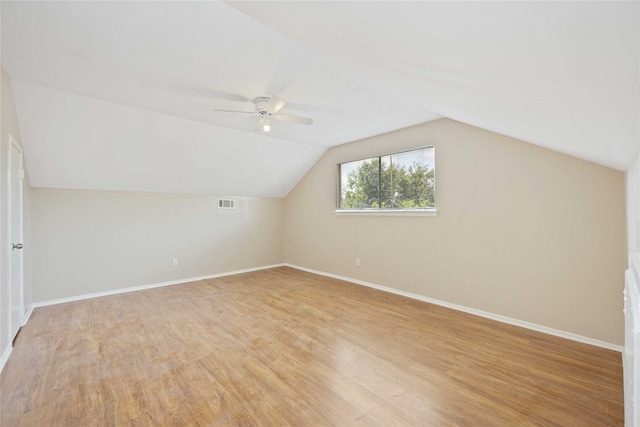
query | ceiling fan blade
[202, 92]
[236, 111]
[217, 94]
[294, 119]
[275, 104]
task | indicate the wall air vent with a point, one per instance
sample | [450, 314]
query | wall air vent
[226, 204]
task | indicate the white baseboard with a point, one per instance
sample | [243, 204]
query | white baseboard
[492, 316]
[8, 350]
[150, 286]
[27, 315]
[5, 357]
[497, 317]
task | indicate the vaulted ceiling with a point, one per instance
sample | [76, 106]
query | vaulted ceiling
[122, 95]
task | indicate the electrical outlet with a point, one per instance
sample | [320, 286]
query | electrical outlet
[174, 262]
[358, 261]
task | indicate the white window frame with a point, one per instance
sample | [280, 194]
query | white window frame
[384, 212]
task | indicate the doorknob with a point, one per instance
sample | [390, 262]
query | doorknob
[16, 246]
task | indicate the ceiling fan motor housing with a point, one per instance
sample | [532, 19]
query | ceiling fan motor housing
[261, 103]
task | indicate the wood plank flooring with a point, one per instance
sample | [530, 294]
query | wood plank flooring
[282, 347]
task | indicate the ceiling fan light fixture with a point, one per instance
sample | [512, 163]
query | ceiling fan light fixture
[266, 125]
[267, 108]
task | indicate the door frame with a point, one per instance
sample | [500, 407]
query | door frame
[13, 144]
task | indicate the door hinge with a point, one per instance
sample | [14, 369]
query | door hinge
[21, 173]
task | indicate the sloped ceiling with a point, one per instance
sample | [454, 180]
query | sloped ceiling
[121, 95]
[563, 75]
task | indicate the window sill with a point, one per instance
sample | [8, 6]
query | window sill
[386, 212]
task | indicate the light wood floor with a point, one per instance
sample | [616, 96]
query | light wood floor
[282, 347]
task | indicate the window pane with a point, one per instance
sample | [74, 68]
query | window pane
[408, 180]
[396, 181]
[359, 184]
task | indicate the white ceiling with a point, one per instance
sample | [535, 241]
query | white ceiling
[121, 95]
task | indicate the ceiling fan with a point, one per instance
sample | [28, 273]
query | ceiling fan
[267, 108]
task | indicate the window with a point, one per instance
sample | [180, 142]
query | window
[393, 182]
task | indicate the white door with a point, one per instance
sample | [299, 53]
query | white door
[16, 176]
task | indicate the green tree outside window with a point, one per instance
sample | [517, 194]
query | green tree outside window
[397, 181]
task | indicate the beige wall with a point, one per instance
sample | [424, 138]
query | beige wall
[96, 241]
[521, 232]
[9, 126]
